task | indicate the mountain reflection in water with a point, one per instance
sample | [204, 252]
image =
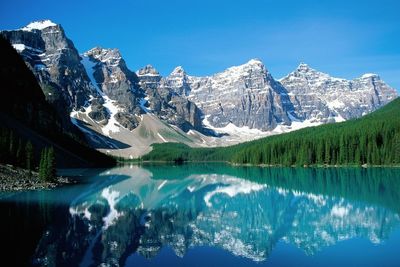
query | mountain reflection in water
[244, 211]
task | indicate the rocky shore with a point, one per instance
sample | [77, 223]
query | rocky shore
[17, 179]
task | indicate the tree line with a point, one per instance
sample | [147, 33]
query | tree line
[373, 139]
[21, 153]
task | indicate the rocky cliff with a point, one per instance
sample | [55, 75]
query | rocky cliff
[319, 97]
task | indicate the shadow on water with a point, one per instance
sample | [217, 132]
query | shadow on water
[113, 216]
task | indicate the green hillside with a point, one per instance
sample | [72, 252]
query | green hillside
[373, 139]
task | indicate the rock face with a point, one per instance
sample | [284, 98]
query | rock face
[113, 80]
[55, 62]
[166, 103]
[245, 95]
[320, 97]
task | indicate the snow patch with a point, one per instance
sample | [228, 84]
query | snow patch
[22, 47]
[296, 125]
[368, 75]
[232, 129]
[39, 25]
[112, 126]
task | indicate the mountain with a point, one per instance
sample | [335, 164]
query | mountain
[169, 106]
[373, 139]
[123, 112]
[26, 114]
[118, 87]
[319, 97]
[99, 94]
[245, 95]
[54, 60]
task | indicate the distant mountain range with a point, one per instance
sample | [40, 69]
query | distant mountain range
[123, 112]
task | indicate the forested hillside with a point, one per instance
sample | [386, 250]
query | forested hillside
[27, 118]
[373, 139]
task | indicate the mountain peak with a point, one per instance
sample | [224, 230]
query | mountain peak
[100, 50]
[303, 67]
[178, 70]
[148, 70]
[252, 64]
[369, 76]
[39, 25]
[256, 61]
[105, 55]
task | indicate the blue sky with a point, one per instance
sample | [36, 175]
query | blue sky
[342, 38]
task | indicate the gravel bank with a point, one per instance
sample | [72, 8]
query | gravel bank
[16, 179]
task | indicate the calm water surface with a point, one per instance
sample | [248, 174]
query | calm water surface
[207, 215]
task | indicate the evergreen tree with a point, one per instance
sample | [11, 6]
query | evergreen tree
[43, 164]
[11, 151]
[29, 157]
[51, 165]
[19, 154]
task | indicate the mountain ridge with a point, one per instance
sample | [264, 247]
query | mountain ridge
[106, 99]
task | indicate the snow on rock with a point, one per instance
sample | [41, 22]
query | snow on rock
[234, 130]
[317, 96]
[39, 25]
[22, 47]
[112, 106]
[112, 126]
[369, 75]
[19, 47]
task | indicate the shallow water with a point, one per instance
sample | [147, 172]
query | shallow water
[208, 215]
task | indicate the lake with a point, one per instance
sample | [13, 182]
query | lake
[207, 215]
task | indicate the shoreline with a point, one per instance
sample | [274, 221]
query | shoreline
[15, 179]
[319, 166]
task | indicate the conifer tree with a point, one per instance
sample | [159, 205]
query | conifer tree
[29, 157]
[19, 154]
[43, 164]
[51, 165]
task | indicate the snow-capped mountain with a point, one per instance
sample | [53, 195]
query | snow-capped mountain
[100, 94]
[245, 95]
[122, 111]
[319, 97]
[54, 60]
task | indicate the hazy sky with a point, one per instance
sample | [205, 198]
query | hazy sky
[342, 38]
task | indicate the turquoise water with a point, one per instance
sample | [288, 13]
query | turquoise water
[208, 215]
